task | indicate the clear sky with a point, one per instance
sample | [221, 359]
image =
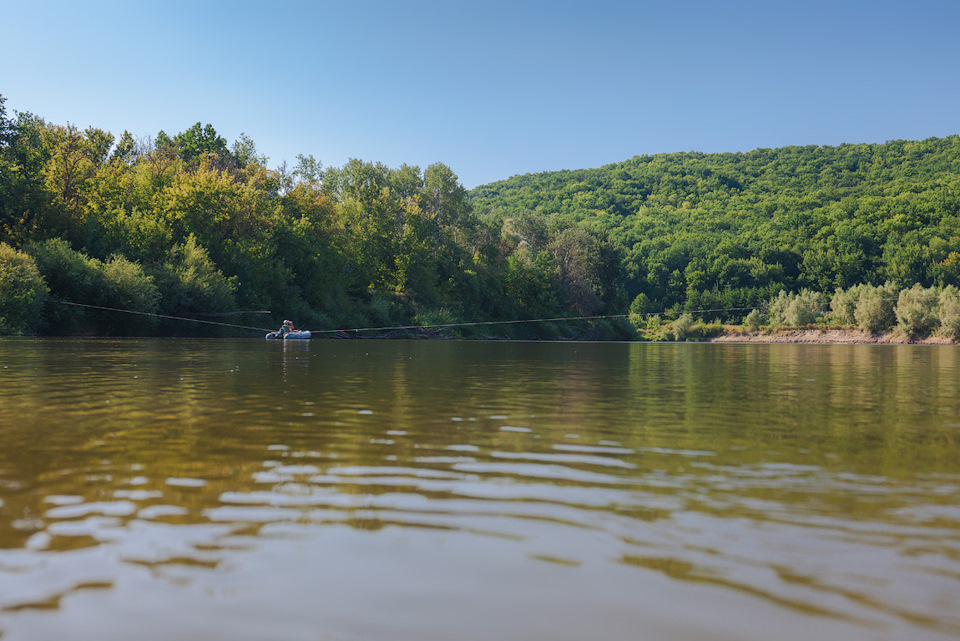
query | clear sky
[491, 88]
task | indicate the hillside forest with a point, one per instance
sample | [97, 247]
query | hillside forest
[189, 225]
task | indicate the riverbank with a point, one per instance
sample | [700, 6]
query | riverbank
[823, 337]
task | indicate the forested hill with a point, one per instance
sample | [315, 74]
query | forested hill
[723, 230]
[190, 226]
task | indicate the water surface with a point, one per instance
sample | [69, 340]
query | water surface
[348, 490]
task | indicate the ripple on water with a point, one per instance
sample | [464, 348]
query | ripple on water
[185, 482]
[812, 521]
[106, 508]
[158, 511]
[537, 471]
[602, 461]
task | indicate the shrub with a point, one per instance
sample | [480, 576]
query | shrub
[72, 277]
[648, 327]
[843, 305]
[189, 281]
[23, 292]
[753, 320]
[777, 313]
[869, 308]
[75, 277]
[381, 310]
[804, 308]
[874, 308]
[796, 310]
[706, 331]
[680, 328]
[70, 274]
[949, 312]
[124, 285]
[917, 311]
[433, 319]
[640, 305]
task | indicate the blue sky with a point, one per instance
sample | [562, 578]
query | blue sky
[491, 88]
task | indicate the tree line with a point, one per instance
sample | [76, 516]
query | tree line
[187, 224]
[711, 231]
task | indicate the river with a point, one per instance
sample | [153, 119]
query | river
[414, 490]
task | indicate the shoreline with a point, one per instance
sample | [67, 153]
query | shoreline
[825, 337]
[729, 334]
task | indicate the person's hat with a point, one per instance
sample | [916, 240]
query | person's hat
[288, 322]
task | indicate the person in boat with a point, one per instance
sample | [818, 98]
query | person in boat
[286, 328]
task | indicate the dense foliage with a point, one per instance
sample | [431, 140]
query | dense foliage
[187, 225]
[22, 291]
[705, 231]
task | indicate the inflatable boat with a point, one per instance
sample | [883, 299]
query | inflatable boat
[298, 334]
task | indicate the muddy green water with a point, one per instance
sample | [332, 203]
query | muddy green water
[367, 490]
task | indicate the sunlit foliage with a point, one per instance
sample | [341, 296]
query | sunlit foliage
[188, 224]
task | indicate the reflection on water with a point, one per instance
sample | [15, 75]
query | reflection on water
[163, 489]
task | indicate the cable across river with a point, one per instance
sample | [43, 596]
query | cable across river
[390, 328]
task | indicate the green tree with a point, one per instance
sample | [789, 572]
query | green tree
[199, 141]
[23, 292]
[116, 283]
[949, 312]
[444, 198]
[127, 151]
[71, 165]
[6, 126]
[234, 221]
[188, 281]
[245, 152]
[874, 310]
[917, 311]
[576, 256]
[308, 169]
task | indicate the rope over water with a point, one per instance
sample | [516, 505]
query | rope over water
[512, 322]
[393, 327]
[181, 318]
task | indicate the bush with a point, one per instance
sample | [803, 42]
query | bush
[640, 305]
[680, 328]
[433, 319]
[124, 285]
[843, 305]
[753, 320]
[70, 274]
[805, 308]
[869, 308]
[917, 311]
[72, 277]
[777, 313]
[189, 281]
[874, 309]
[706, 331]
[949, 312]
[797, 310]
[75, 277]
[648, 327]
[23, 292]
[383, 311]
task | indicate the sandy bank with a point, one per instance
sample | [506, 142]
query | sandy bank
[825, 337]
